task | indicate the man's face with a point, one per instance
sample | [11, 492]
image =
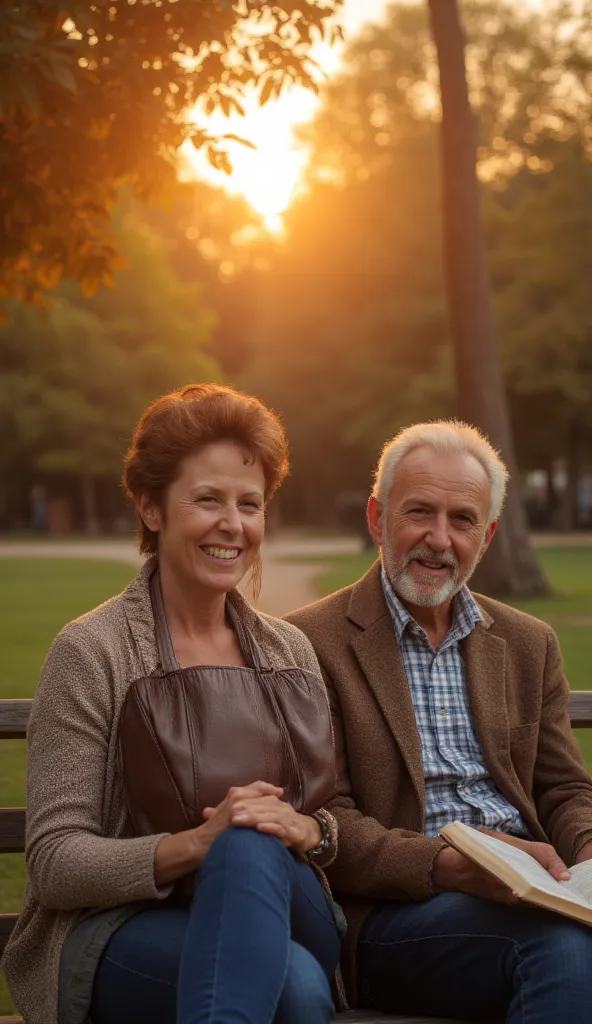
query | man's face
[433, 530]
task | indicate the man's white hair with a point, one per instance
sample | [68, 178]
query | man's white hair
[449, 437]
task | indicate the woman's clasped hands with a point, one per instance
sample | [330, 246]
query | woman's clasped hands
[259, 806]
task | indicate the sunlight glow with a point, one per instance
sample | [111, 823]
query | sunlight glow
[269, 176]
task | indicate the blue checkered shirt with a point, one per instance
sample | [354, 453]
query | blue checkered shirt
[458, 784]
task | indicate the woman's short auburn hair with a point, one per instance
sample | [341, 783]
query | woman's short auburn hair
[179, 424]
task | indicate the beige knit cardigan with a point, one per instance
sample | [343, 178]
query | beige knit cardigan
[77, 858]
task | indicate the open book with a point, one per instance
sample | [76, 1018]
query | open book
[523, 874]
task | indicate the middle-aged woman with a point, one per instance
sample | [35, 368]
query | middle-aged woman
[106, 935]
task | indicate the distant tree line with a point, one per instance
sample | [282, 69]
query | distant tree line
[343, 325]
[353, 325]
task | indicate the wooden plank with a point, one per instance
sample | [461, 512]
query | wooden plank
[12, 830]
[14, 716]
[7, 923]
[580, 708]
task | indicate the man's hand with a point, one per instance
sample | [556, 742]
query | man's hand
[269, 814]
[544, 853]
[452, 872]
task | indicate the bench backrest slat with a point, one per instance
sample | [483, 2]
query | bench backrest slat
[12, 829]
[7, 923]
[14, 716]
[580, 709]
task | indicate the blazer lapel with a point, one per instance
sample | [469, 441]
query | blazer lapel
[485, 669]
[379, 657]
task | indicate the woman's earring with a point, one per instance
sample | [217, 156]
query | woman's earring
[256, 574]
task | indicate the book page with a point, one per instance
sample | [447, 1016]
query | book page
[533, 872]
[580, 882]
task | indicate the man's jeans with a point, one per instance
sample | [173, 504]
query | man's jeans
[258, 944]
[465, 957]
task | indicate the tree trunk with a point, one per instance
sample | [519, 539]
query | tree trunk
[89, 504]
[510, 567]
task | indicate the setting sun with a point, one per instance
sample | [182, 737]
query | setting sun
[268, 175]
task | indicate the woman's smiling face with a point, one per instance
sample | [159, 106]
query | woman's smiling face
[211, 527]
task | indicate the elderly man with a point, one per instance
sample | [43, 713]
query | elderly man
[448, 706]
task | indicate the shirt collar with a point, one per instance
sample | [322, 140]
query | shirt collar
[466, 611]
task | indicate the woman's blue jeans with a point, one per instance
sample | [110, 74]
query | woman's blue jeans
[258, 945]
[465, 957]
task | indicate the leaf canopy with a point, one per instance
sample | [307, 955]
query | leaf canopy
[94, 94]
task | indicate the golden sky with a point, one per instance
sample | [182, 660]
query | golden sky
[269, 176]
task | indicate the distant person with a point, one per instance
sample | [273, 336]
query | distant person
[105, 932]
[38, 505]
[449, 705]
[584, 503]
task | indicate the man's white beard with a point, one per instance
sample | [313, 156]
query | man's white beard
[431, 593]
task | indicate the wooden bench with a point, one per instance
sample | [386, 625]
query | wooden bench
[14, 715]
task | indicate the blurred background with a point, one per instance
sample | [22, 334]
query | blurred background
[312, 274]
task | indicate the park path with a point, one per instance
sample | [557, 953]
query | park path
[286, 585]
[577, 539]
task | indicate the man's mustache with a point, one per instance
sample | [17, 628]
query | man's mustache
[427, 555]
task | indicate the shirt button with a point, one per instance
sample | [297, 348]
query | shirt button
[443, 711]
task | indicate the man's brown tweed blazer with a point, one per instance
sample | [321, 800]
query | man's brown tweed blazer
[518, 698]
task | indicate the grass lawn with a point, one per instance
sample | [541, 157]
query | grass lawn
[41, 537]
[37, 597]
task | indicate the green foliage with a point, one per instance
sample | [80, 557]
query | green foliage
[93, 94]
[205, 231]
[529, 80]
[353, 324]
[353, 336]
[74, 380]
[541, 259]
